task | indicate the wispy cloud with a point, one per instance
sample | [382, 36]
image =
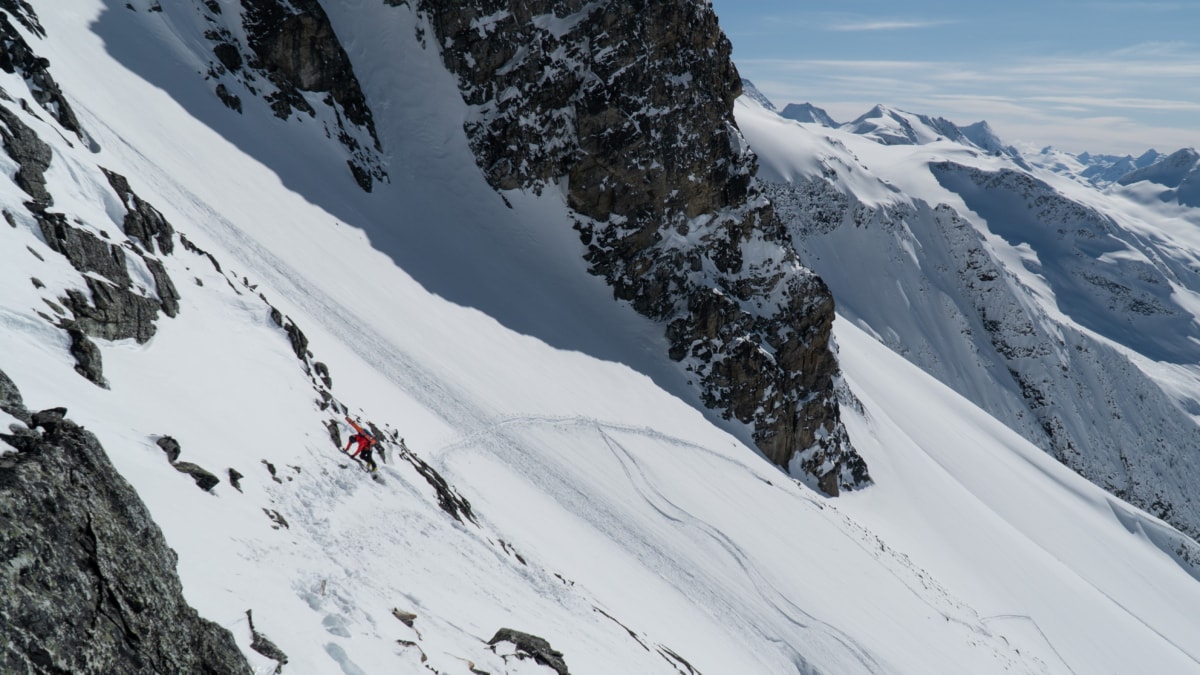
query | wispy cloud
[1130, 103]
[842, 64]
[1144, 6]
[886, 25]
[1156, 49]
[1103, 101]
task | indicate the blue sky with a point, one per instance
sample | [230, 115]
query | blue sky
[1111, 76]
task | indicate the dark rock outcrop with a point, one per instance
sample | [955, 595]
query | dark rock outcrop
[263, 645]
[448, 498]
[88, 362]
[168, 295]
[24, 13]
[16, 56]
[111, 308]
[205, 480]
[297, 339]
[143, 222]
[171, 447]
[534, 647]
[87, 582]
[31, 154]
[203, 477]
[11, 401]
[322, 371]
[631, 105]
[291, 50]
[86, 251]
[112, 312]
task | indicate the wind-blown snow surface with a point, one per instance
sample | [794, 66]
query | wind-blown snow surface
[613, 518]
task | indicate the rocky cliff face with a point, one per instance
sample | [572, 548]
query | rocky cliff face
[285, 53]
[628, 106]
[18, 56]
[87, 582]
[112, 305]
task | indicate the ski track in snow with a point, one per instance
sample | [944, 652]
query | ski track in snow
[1031, 621]
[789, 613]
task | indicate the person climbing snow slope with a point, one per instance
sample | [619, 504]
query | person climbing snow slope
[366, 445]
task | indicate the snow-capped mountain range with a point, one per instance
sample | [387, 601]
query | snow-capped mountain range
[1067, 312]
[585, 301]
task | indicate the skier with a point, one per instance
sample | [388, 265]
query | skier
[366, 445]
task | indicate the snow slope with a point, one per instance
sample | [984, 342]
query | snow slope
[610, 516]
[1067, 313]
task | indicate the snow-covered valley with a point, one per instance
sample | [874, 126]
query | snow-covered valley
[547, 468]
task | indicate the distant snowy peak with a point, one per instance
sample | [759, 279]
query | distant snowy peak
[807, 112]
[1098, 170]
[1180, 172]
[896, 127]
[1170, 171]
[981, 134]
[890, 126]
[752, 92]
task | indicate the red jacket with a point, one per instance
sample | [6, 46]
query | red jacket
[363, 441]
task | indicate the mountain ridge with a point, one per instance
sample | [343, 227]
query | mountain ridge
[1038, 356]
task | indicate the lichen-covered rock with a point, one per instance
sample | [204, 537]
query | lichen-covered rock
[629, 104]
[87, 582]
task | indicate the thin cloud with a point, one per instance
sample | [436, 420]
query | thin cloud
[858, 26]
[1145, 6]
[1175, 48]
[1108, 67]
[845, 64]
[1131, 103]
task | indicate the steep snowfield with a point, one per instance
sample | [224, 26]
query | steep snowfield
[1067, 313]
[611, 517]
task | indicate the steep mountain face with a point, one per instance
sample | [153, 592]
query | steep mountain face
[538, 508]
[751, 91]
[89, 582]
[16, 56]
[283, 54]
[639, 134]
[950, 300]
